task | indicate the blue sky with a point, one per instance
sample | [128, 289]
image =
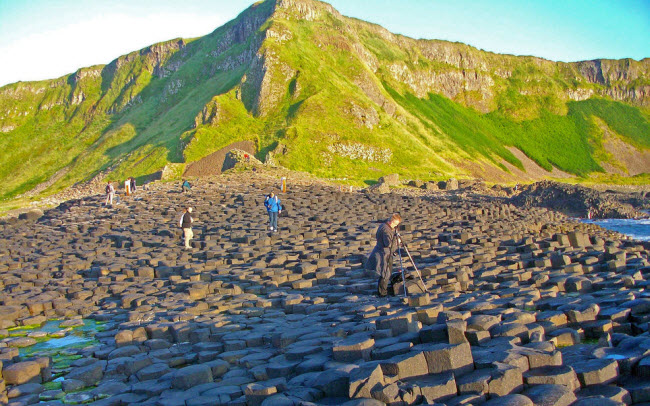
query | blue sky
[43, 39]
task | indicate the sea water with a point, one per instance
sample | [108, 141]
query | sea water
[637, 229]
[78, 337]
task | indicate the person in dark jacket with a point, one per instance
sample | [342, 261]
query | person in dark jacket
[110, 194]
[132, 181]
[381, 257]
[185, 223]
[273, 207]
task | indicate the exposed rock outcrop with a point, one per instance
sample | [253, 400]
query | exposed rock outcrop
[576, 201]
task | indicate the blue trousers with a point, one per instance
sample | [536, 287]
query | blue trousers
[273, 219]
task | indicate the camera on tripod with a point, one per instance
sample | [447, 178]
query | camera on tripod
[399, 279]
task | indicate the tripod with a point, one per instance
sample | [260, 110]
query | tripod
[400, 245]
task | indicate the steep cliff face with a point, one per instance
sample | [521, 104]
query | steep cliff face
[624, 80]
[341, 95]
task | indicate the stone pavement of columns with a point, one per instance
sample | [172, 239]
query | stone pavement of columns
[524, 307]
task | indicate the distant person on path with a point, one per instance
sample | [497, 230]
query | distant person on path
[381, 257]
[186, 186]
[132, 185]
[110, 194]
[273, 207]
[185, 223]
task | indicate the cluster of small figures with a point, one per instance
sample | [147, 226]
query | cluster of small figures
[129, 187]
[380, 259]
[271, 202]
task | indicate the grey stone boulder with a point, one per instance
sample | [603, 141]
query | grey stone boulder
[557, 375]
[392, 350]
[611, 392]
[597, 401]
[353, 348]
[192, 375]
[639, 389]
[476, 382]
[447, 358]
[596, 371]
[482, 322]
[510, 400]
[89, 374]
[505, 380]
[332, 382]
[125, 351]
[257, 392]
[110, 388]
[390, 180]
[434, 388]
[627, 353]
[450, 184]
[25, 389]
[379, 188]
[219, 367]
[72, 385]
[364, 379]
[22, 372]
[391, 394]
[638, 306]
[550, 395]
[31, 215]
[224, 393]
[363, 402]
[21, 342]
[587, 313]
[279, 399]
[153, 371]
[406, 365]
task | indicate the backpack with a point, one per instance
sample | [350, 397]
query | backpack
[108, 188]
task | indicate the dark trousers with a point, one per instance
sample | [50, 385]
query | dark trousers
[381, 261]
[273, 219]
[382, 286]
[384, 277]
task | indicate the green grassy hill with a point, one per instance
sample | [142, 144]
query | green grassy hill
[344, 97]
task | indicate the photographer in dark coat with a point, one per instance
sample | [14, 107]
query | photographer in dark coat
[381, 257]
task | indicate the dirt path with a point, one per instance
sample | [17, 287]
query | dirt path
[213, 163]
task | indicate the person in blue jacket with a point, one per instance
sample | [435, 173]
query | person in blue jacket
[186, 186]
[273, 207]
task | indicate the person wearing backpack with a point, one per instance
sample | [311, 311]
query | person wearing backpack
[185, 223]
[110, 194]
[273, 207]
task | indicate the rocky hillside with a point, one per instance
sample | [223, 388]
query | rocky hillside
[331, 95]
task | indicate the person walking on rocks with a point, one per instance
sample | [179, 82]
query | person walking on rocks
[381, 257]
[110, 194]
[186, 186]
[186, 224]
[273, 207]
[132, 180]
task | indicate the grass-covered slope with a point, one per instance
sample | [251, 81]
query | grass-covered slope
[126, 118]
[344, 98]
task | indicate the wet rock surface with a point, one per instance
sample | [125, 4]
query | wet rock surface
[522, 307]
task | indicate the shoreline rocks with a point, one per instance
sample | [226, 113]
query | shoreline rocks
[580, 201]
[519, 302]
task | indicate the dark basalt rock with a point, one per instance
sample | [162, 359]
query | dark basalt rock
[521, 303]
